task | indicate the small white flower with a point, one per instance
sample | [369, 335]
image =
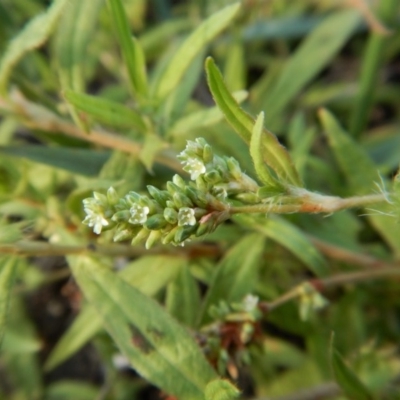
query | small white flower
[250, 302]
[186, 217]
[195, 167]
[95, 219]
[138, 214]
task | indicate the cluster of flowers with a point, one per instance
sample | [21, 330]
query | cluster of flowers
[183, 210]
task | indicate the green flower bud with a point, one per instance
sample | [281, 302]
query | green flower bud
[203, 229]
[250, 198]
[160, 196]
[234, 168]
[179, 181]
[112, 196]
[198, 198]
[181, 200]
[208, 154]
[213, 177]
[172, 188]
[170, 236]
[171, 215]
[156, 222]
[132, 198]
[100, 198]
[153, 238]
[141, 235]
[183, 233]
[122, 233]
[121, 216]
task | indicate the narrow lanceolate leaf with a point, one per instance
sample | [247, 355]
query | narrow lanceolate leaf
[32, 36]
[7, 274]
[263, 172]
[160, 349]
[236, 274]
[148, 274]
[192, 46]
[106, 111]
[347, 379]
[131, 49]
[74, 33]
[359, 169]
[79, 161]
[290, 237]
[274, 154]
[320, 46]
[362, 175]
[183, 298]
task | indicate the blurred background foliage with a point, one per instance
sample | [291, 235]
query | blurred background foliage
[82, 109]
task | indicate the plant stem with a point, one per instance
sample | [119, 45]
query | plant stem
[36, 117]
[322, 284]
[312, 203]
[355, 259]
[43, 249]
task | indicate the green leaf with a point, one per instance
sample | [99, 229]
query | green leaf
[290, 237]
[68, 389]
[359, 169]
[361, 174]
[235, 275]
[160, 349]
[274, 154]
[370, 64]
[183, 298]
[151, 146]
[192, 46]
[79, 161]
[347, 379]
[73, 36]
[32, 36]
[7, 275]
[149, 274]
[106, 111]
[221, 389]
[131, 49]
[263, 173]
[310, 58]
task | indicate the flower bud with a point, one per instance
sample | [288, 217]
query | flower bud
[171, 215]
[122, 234]
[155, 222]
[160, 196]
[112, 196]
[183, 233]
[250, 198]
[181, 200]
[121, 216]
[198, 198]
[208, 154]
[213, 177]
[153, 238]
[179, 181]
[234, 168]
[169, 237]
[141, 235]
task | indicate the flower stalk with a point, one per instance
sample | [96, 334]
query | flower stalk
[218, 189]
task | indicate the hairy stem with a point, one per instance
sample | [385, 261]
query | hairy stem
[312, 203]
